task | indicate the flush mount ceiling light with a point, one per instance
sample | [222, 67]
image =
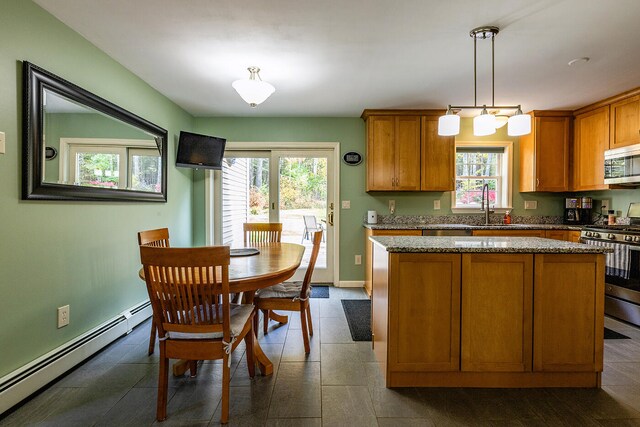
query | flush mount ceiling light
[253, 90]
[485, 123]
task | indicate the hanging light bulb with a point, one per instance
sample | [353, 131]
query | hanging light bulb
[253, 91]
[449, 124]
[519, 124]
[501, 120]
[484, 124]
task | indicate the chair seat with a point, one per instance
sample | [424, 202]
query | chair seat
[239, 315]
[282, 290]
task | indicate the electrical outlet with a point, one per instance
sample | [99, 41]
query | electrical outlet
[531, 204]
[346, 204]
[2, 143]
[436, 205]
[392, 207]
[358, 259]
[63, 316]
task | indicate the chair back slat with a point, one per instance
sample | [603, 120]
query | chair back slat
[317, 239]
[158, 237]
[188, 288]
[256, 233]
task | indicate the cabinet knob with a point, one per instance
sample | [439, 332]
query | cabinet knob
[537, 182]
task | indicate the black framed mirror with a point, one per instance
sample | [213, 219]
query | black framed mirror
[103, 152]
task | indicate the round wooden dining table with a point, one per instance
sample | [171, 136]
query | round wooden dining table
[275, 263]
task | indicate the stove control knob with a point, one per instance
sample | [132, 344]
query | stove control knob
[611, 236]
[636, 239]
[628, 238]
[596, 234]
[588, 234]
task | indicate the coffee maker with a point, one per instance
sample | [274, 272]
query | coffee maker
[577, 210]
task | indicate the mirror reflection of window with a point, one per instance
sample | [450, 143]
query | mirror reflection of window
[96, 150]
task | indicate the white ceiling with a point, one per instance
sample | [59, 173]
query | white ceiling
[338, 57]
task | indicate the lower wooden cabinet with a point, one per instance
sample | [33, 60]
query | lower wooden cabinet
[425, 332]
[488, 320]
[497, 291]
[568, 313]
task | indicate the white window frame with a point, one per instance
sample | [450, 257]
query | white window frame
[69, 147]
[505, 180]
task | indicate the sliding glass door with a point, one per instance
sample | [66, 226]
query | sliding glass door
[293, 187]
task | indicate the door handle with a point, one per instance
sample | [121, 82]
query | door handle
[273, 206]
[330, 218]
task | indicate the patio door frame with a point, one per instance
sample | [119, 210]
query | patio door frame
[213, 186]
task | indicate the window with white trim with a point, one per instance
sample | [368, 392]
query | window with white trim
[480, 163]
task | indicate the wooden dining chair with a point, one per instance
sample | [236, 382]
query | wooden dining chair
[290, 296]
[189, 293]
[158, 238]
[261, 232]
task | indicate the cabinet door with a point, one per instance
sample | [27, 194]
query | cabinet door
[496, 312]
[568, 313]
[381, 134]
[557, 234]
[424, 312]
[438, 158]
[552, 153]
[625, 122]
[590, 142]
[573, 236]
[407, 151]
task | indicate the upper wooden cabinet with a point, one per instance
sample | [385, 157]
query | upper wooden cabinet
[438, 158]
[544, 153]
[405, 152]
[590, 142]
[393, 153]
[625, 122]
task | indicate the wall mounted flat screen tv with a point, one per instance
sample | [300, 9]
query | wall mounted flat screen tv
[200, 151]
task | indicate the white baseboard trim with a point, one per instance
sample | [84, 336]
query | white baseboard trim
[22, 382]
[351, 284]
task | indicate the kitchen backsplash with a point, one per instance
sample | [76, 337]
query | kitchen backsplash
[464, 219]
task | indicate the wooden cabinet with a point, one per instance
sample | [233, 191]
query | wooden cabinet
[488, 319]
[544, 153]
[368, 253]
[393, 153]
[573, 236]
[569, 289]
[625, 122]
[510, 233]
[590, 142]
[557, 234]
[497, 291]
[438, 158]
[424, 326]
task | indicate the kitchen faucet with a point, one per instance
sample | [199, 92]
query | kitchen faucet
[486, 210]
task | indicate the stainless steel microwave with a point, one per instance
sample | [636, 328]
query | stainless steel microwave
[622, 165]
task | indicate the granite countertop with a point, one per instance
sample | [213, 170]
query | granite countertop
[419, 226]
[465, 244]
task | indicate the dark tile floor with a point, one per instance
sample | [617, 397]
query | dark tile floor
[338, 384]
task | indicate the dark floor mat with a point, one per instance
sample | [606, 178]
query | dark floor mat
[358, 312]
[319, 291]
[613, 335]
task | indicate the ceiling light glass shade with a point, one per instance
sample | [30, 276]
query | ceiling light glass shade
[501, 121]
[519, 125]
[254, 92]
[484, 124]
[449, 125]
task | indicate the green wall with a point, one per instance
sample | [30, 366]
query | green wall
[84, 253]
[350, 133]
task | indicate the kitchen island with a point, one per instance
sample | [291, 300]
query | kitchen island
[470, 311]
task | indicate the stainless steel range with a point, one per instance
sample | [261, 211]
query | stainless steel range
[622, 276]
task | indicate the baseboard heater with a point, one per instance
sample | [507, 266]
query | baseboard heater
[21, 383]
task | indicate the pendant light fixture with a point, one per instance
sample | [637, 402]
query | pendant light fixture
[485, 123]
[253, 90]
